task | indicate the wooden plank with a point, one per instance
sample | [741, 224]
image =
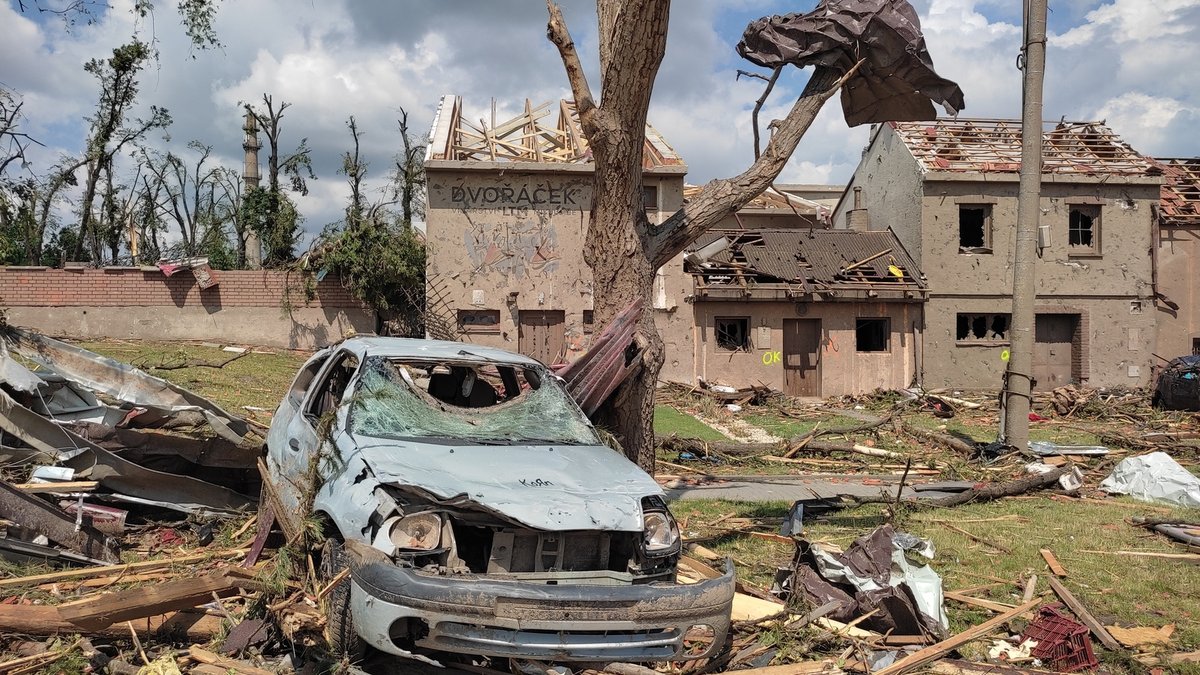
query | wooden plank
[978, 602]
[44, 620]
[1056, 568]
[68, 486]
[976, 538]
[1084, 615]
[232, 665]
[935, 652]
[106, 570]
[1183, 557]
[138, 603]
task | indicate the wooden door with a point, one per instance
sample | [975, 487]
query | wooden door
[541, 333]
[802, 357]
[1053, 350]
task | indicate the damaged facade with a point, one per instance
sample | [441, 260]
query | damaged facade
[1177, 259]
[505, 226]
[949, 189]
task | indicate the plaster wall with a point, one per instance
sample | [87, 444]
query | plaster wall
[890, 179]
[1179, 280]
[1118, 338]
[843, 369]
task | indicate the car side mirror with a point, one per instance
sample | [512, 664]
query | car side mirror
[294, 444]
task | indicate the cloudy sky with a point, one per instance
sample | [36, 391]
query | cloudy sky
[1117, 60]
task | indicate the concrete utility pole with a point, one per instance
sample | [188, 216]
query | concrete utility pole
[250, 180]
[1018, 378]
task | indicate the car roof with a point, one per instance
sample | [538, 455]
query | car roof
[437, 350]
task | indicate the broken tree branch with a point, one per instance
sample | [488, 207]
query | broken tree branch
[163, 365]
[719, 198]
[557, 31]
[759, 104]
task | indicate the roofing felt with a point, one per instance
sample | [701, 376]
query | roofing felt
[813, 259]
[527, 137]
[1179, 201]
[983, 145]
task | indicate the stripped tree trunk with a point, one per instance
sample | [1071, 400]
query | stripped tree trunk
[622, 247]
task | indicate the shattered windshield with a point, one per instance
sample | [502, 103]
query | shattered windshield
[481, 403]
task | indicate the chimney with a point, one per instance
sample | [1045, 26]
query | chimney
[858, 218]
[250, 181]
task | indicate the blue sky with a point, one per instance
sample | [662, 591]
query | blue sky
[1126, 61]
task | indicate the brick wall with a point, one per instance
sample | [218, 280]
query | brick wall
[142, 303]
[149, 287]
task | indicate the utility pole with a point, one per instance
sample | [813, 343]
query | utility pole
[250, 181]
[1019, 376]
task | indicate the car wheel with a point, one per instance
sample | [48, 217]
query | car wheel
[343, 638]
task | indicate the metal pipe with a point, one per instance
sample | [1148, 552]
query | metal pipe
[1018, 377]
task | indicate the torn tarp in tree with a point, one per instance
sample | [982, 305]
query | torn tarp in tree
[121, 381]
[896, 81]
[885, 571]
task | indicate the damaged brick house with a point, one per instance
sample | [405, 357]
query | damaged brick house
[507, 214]
[949, 189]
[1176, 258]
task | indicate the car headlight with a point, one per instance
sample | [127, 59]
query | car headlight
[418, 532]
[660, 534]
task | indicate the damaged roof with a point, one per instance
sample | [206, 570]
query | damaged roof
[527, 137]
[814, 261]
[769, 199]
[1179, 201]
[990, 145]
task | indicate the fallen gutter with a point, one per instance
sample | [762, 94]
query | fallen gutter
[89, 460]
[121, 381]
[45, 518]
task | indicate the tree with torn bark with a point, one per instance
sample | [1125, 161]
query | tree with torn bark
[622, 247]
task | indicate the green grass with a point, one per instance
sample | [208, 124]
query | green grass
[669, 421]
[1122, 590]
[258, 380]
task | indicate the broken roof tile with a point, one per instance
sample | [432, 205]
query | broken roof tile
[990, 146]
[1179, 201]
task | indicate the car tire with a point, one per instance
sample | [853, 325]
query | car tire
[339, 620]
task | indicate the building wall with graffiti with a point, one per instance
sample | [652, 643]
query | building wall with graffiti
[505, 253]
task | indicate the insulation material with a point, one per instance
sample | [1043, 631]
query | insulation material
[896, 79]
[1155, 477]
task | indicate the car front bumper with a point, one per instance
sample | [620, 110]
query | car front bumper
[566, 622]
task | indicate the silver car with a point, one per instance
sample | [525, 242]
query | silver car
[479, 512]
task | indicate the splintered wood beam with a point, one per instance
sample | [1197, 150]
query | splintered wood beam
[138, 603]
[935, 652]
[1084, 615]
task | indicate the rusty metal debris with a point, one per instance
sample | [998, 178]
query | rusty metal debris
[612, 358]
[896, 79]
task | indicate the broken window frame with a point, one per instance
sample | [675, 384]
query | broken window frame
[650, 195]
[589, 321]
[1075, 225]
[986, 246]
[866, 325]
[989, 328]
[723, 338]
[478, 321]
[343, 364]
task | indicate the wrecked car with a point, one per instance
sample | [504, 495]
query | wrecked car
[1178, 386]
[479, 512]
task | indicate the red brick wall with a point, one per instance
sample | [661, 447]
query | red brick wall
[149, 287]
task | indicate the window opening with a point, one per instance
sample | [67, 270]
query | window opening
[333, 387]
[733, 334]
[974, 228]
[871, 335]
[1083, 228]
[982, 327]
[479, 320]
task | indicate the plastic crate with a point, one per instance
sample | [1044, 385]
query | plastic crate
[1062, 642]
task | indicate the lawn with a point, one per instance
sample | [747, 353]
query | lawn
[669, 421]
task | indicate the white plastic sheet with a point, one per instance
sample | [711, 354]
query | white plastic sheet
[1155, 477]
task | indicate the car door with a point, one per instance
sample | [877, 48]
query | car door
[302, 439]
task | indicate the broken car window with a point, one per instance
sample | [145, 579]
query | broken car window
[467, 402]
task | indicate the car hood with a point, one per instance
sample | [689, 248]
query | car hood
[547, 487]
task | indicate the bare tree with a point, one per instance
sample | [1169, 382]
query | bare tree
[355, 170]
[271, 212]
[409, 175]
[188, 193]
